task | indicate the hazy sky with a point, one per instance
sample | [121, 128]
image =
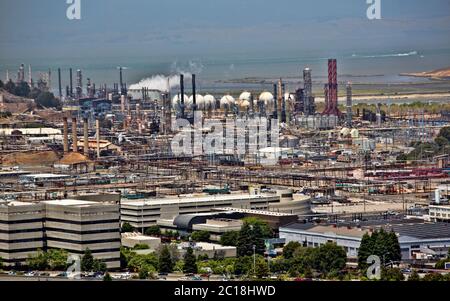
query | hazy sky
[31, 28]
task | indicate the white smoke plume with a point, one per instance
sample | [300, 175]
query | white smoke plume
[159, 82]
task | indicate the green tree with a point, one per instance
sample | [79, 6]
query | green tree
[331, 258]
[10, 87]
[99, 266]
[190, 262]
[107, 277]
[22, 89]
[127, 228]
[261, 268]
[141, 247]
[441, 141]
[87, 261]
[57, 259]
[125, 256]
[200, 236]
[303, 260]
[392, 274]
[266, 231]
[365, 250]
[289, 249]
[166, 263]
[445, 133]
[383, 244]
[229, 238]
[251, 236]
[38, 261]
[138, 262]
[143, 273]
[48, 100]
[243, 265]
[1, 84]
[414, 276]
[153, 231]
[433, 277]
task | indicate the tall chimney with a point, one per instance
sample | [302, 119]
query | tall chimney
[97, 136]
[182, 94]
[59, 83]
[65, 135]
[74, 135]
[71, 82]
[349, 105]
[194, 96]
[86, 136]
[121, 80]
[279, 99]
[122, 103]
[275, 101]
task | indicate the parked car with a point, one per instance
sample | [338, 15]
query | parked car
[30, 274]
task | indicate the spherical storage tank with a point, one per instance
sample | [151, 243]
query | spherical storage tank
[176, 102]
[199, 101]
[267, 99]
[345, 132]
[226, 102]
[245, 96]
[210, 102]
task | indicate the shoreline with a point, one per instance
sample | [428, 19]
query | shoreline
[397, 97]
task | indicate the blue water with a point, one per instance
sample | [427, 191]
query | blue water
[212, 71]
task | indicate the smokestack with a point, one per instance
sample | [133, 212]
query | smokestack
[283, 99]
[379, 114]
[332, 89]
[86, 136]
[30, 77]
[74, 135]
[182, 94]
[122, 103]
[349, 104]
[79, 87]
[275, 102]
[194, 96]
[59, 83]
[71, 82]
[280, 99]
[97, 136]
[65, 135]
[121, 80]
[138, 112]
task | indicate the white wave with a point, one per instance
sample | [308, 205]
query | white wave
[411, 53]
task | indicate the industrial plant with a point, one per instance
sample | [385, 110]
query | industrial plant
[315, 167]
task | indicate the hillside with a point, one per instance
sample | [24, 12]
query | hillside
[436, 74]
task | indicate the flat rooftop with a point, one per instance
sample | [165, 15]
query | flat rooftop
[15, 203]
[415, 230]
[72, 203]
[194, 199]
[327, 229]
[45, 175]
[260, 212]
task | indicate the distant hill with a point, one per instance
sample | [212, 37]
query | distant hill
[15, 104]
[437, 74]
